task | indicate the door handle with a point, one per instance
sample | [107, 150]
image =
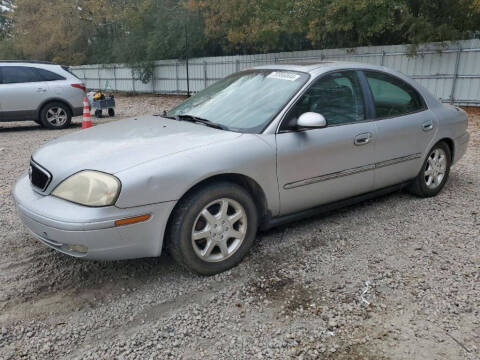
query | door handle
[41, 90]
[362, 139]
[427, 125]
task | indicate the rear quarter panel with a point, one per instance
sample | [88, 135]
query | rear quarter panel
[453, 124]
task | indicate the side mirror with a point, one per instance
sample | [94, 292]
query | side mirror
[311, 120]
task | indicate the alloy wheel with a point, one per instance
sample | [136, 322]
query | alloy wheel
[57, 116]
[219, 230]
[435, 168]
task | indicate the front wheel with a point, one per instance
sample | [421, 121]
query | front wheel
[213, 228]
[434, 174]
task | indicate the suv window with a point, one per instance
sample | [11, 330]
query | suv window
[25, 74]
[19, 74]
[392, 96]
[46, 75]
[337, 96]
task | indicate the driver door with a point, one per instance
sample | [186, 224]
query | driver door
[319, 166]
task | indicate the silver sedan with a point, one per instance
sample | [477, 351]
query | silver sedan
[261, 147]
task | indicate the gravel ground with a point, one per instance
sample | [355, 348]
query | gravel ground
[393, 278]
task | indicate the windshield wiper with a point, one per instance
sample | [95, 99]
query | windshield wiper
[196, 119]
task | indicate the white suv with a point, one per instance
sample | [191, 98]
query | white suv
[44, 92]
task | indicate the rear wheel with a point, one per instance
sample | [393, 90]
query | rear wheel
[213, 228]
[434, 174]
[55, 115]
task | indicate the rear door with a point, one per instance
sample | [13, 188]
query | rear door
[405, 128]
[22, 91]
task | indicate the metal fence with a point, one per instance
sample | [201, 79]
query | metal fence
[451, 71]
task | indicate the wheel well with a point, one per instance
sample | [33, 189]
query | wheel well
[257, 193]
[54, 101]
[450, 144]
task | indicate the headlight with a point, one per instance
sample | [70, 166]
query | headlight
[90, 188]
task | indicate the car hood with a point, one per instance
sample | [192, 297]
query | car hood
[119, 145]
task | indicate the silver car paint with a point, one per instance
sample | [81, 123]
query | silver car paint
[28, 98]
[158, 160]
[57, 222]
[310, 165]
[121, 145]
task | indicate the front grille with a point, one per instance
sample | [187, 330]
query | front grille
[39, 176]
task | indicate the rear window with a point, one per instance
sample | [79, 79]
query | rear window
[25, 74]
[392, 96]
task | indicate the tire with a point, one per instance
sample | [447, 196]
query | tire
[434, 173]
[223, 240]
[111, 112]
[55, 115]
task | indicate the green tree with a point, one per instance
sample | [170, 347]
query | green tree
[6, 47]
[348, 23]
[138, 32]
[56, 30]
[253, 25]
[148, 30]
[441, 20]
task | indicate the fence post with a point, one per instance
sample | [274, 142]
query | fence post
[382, 61]
[99, 79]
[115, 76]
[188, 76]
[133, 79]
[205, 74]
[176, 76]
[153, 78]
[237, 65]
[455, 75]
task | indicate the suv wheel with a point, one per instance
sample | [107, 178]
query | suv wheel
[55, 115]
[213, 228]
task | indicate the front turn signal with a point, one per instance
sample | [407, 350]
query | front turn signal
[132, 220]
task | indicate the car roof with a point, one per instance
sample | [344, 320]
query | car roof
[303, 66]
[310, 66]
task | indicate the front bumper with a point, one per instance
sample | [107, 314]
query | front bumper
[64, 226]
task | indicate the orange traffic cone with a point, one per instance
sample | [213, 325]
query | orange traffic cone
[87, 120]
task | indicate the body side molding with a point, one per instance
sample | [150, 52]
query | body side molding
[352, 171]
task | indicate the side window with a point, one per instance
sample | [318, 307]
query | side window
[392, 96]
[337, 96]
[46, 75]
[19, 74]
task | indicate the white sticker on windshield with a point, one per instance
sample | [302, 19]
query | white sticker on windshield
[283, 75]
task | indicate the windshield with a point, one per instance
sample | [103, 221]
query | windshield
[245, 101]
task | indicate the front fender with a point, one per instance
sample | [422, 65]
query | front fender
[169, 178]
